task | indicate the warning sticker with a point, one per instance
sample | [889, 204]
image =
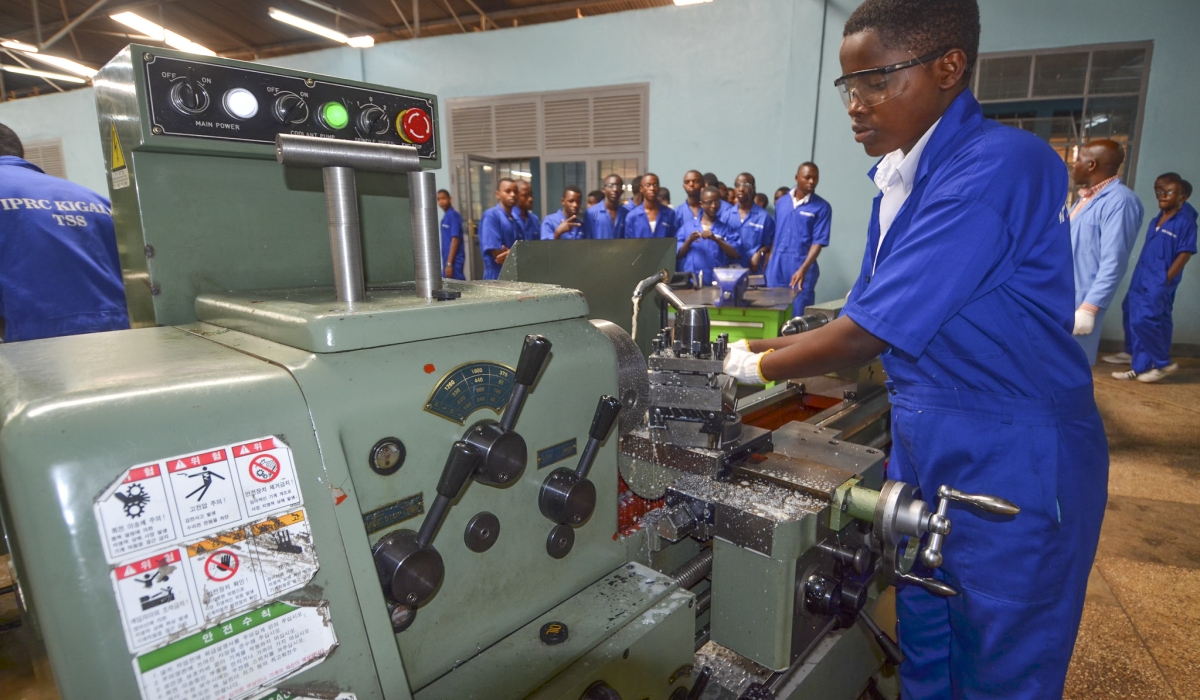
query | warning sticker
[180, 498]
[267, 475]
[276, 694]
[155, 597]
[120, 169]
[283, 551]
[239, 657]
[224, 574]
[205, 490]
[137, 514]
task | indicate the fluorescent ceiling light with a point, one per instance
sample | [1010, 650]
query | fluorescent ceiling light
[44, 74]
[358, 42]
[65, 64]
[18, 46]
[690, 2]
[159, 33]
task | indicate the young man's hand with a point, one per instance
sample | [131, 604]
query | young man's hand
[798, 279]
[567, 224]
[449, 271]
[502, 255]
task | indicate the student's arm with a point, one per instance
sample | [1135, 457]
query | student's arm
[730, 251]
[1176, 268]
[798, 279]
[490, 241]
[684, 243]
[842, 343]
[449, 271]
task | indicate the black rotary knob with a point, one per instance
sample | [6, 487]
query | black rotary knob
[373, 121]
[290, 108]
[189, 96]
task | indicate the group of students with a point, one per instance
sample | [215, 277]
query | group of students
[712, 229]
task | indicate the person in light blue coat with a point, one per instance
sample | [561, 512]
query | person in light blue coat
[606, 219]
[651, 219]
[1104, 226]
[564, 224]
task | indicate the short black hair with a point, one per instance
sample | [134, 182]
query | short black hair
[1173, 178]
[710, 188]
[1187, 189]
[503, 180]
[748, 176]
[596, 195]
[921, 26]
[571, 188]
[808, 164]
[710, 179]
[664, 193]
[10, 143]
[782, 189]
[445, 192]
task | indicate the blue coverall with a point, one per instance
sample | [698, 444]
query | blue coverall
[1102, 235]
[755, 232]
[1146, 311]
[59, 269]
[528, 225]
[972, 290]
[552, 221]
[796, 230]
[704, 254]
[451, 229]
[497, 229]
[598, 225]
[638, 226]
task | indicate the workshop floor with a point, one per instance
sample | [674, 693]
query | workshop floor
[1140, 636]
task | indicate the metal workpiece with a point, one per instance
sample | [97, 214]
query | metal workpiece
[345, 237]
[714, 463]
[313, 152]
[633, 386]
[426, 237]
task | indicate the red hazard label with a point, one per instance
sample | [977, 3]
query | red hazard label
[141, 567]
[221, 565]
[264, 469]
[253, 447]
[139, 473]
[200, 460]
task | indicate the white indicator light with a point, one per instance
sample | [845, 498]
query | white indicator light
[241, 103]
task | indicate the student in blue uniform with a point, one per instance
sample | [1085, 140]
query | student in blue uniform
[527, 222]
[707, 243]
[802, 222]
[498, 229]
[453, 253]
[606, 219]
[689, 211]
[1170, 243]
[636, 200]
[59, 270]
[1104, 226]
[564, 224]
[966, 290]
[754, 226]
[710, 180]
[650, 219]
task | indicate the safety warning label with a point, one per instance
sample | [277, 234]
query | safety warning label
[169, 500]
[209, 579]
[276, 694]
[240, 656]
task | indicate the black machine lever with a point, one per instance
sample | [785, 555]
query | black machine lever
[459, 466]
[567, 496]
[889, 646]
[529, 366]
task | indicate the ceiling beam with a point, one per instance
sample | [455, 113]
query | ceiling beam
[66, 29]
[54, 26]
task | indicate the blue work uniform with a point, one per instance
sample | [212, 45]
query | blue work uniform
[755, 232]
[704, 254]
[1102, 235]
[796, 230]
[451, 229]
[497, 229]
[638, 226]
[972, 290]
[528, 225]
[598, 225]
[551, 222]
[59, 269]
[1146, 311]
[685, 216]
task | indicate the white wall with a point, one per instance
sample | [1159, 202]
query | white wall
[736, 85]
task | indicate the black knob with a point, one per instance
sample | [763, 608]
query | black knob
[373, 121]
[409, 573]
[606, 415]
[290, 108]
[600, 691]
[533, 356]
[566, 498]
[189, 96]
[459, 466]
[502, 453]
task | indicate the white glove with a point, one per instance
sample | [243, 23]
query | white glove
[1085, 322]
[743, 366]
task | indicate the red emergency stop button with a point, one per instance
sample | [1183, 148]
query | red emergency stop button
[414, 125]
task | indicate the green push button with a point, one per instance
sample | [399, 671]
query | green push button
[335, 115]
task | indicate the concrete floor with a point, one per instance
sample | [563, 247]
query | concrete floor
[1140, 636]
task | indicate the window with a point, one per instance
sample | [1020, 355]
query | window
[627, 168]
[1068, 96]
[566, 137]
[47, 155]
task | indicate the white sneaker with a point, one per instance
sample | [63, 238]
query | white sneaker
[1121, 358]
[1155, 374]
[1127, 374]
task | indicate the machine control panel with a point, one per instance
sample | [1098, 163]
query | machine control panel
[195, 98]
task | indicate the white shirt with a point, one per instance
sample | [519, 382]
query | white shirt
[895, 177]
[797, 203]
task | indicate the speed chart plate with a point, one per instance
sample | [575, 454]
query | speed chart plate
[470, 387]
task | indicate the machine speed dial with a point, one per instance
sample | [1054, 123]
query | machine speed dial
[373, 121]
[189, 96]
[290, 108]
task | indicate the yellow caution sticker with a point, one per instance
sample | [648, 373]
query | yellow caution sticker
[120, 170]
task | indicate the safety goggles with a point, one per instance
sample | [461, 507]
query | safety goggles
[878, 85]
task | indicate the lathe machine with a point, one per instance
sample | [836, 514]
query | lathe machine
[315, 469]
